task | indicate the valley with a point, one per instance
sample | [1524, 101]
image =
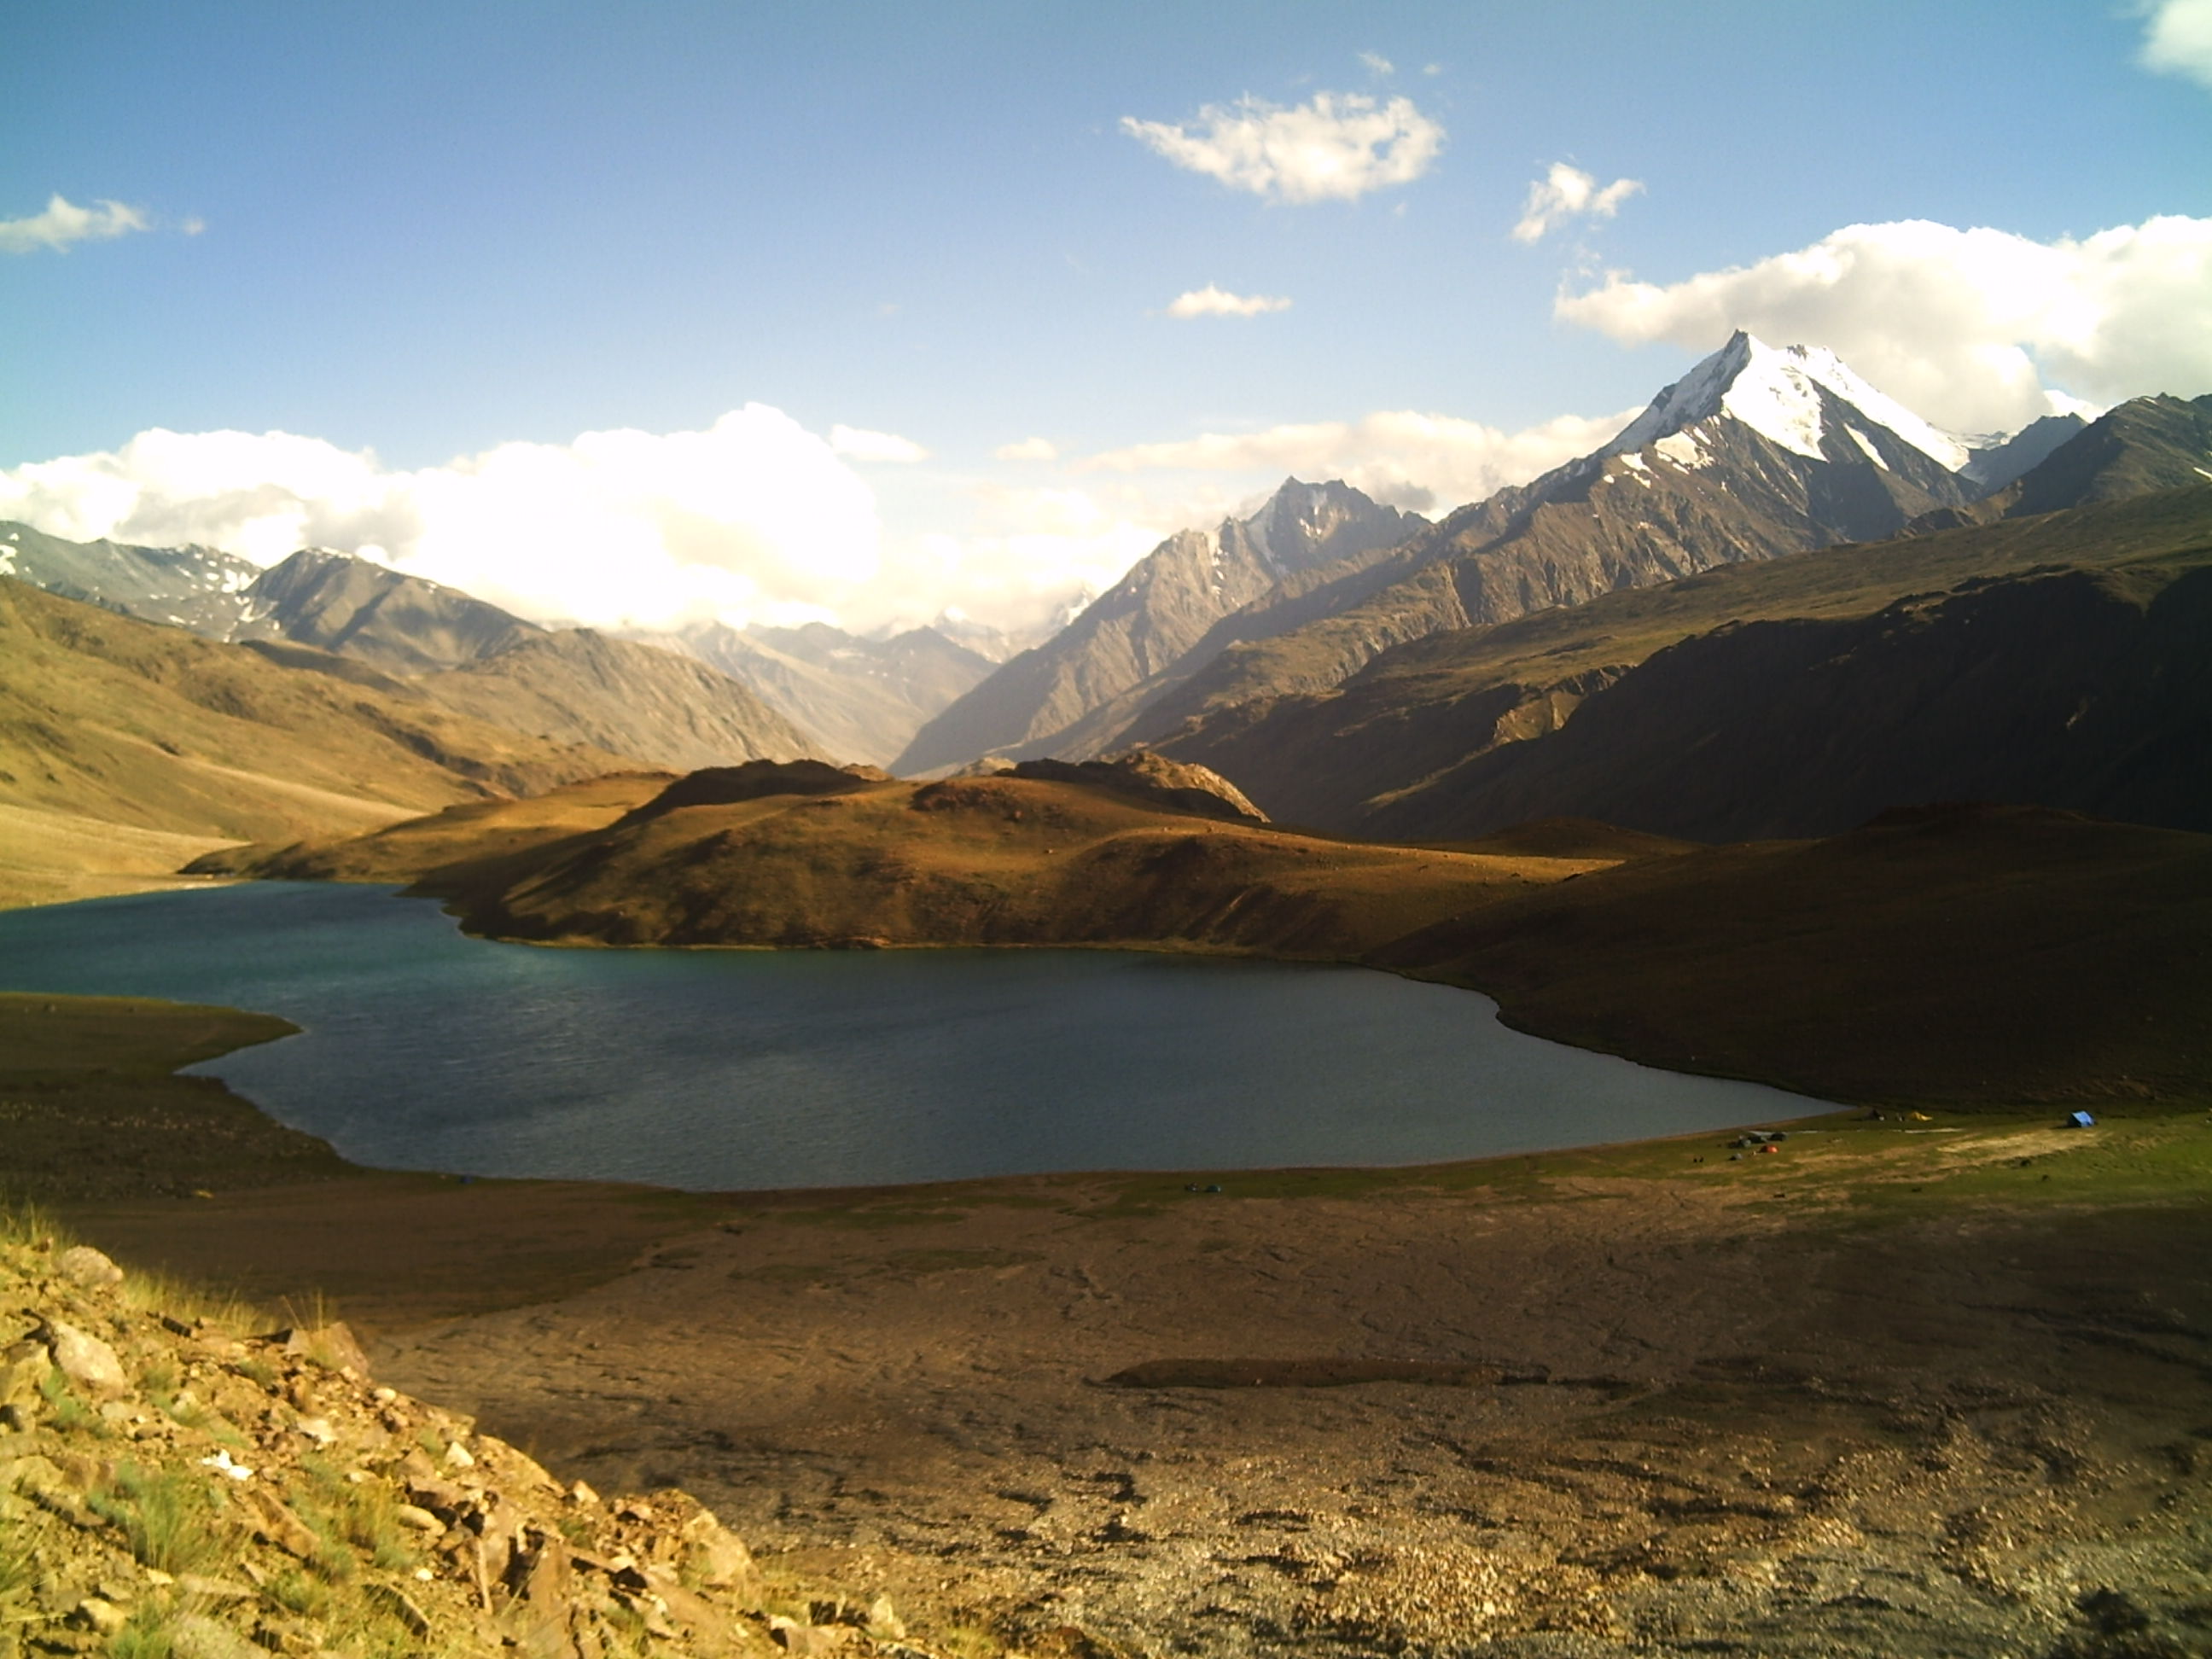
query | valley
[1784, 737]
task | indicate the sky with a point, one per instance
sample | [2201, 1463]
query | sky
[864, 312]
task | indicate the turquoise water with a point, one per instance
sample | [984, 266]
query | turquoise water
[728, 1070]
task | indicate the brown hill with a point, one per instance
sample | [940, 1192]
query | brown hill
[113, 729]
[995, 860]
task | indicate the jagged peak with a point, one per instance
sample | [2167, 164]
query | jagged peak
[1777, 391]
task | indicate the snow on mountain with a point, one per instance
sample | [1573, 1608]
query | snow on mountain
[1776, 393]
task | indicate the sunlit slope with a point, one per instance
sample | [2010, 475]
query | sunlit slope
[122, 722]
[462, 843]
[1000, 860]
[1974, 955]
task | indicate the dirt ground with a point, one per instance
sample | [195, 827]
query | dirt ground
[1890, 1390]
[1935, 1385]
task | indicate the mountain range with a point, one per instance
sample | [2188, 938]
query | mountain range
[1433, 738]
[1142, 633]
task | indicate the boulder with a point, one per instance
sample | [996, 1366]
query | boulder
[80, 1264]
[85, 1360]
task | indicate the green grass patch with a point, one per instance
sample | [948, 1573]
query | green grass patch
[165, 1517]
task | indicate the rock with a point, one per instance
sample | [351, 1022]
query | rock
[82, 1265]
[196, 1636]
[100, 1617]
[419, 1520]
[280, 1526]
[333, 1346]
[85, 1360]
[884, 1622]
[720, 1554]
[797, 1638]
[23, 1366]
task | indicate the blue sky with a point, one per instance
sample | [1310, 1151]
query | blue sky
[429, 231]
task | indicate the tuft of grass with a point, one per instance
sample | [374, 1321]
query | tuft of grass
[149, 1635]
[165, 1517]
[71, 1414]
[300, 1593]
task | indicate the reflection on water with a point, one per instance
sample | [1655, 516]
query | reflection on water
[720, 1070]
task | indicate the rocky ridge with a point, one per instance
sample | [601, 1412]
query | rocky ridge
[170, 1485]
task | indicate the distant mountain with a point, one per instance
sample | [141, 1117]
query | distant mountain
[865, 699]
[195, 587]
[320, 610]
[1756, 452]
[2142, 445]
[401, 624]
[125, 747]
[1997, 465]
[578, 685]
[1143, 630]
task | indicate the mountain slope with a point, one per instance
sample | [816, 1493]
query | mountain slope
[400, 624]
[865, 699]
[577, 685]
[111, 727]
[1392, 738]
[195, 587]
[1756, 452]
[2078, 689]
[1147, 624]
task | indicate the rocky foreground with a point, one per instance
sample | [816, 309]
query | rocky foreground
[171, 1486]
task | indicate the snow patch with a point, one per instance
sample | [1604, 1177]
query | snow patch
[1683, 449]
[7, 561]
[1776, 393]
[1866, 444]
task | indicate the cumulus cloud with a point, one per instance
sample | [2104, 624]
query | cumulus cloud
[1029, 449]
[755, 516]
[1336, 147]
[1212, 301]
[2177, 39]
[1977, 330]
[65, 224]
[1424, 462]
[1567, 192]
[856, 445]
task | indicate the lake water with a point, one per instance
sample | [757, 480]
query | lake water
[741, 1069]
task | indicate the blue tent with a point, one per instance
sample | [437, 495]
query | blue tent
[2080, 1121]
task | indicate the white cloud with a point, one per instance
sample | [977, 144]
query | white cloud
[1425, 462]
[1377, 64]
[1029, 449]
[2177, 39]
[1567, 192]
[1337, 147]
[1971, 328]
[755, 516]
[1212, 301]
[855, 443]
[63, 223]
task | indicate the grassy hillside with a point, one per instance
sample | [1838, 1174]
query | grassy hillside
[1331, 758]
[140, 730]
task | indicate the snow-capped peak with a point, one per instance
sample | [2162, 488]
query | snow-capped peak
[1775, 392]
